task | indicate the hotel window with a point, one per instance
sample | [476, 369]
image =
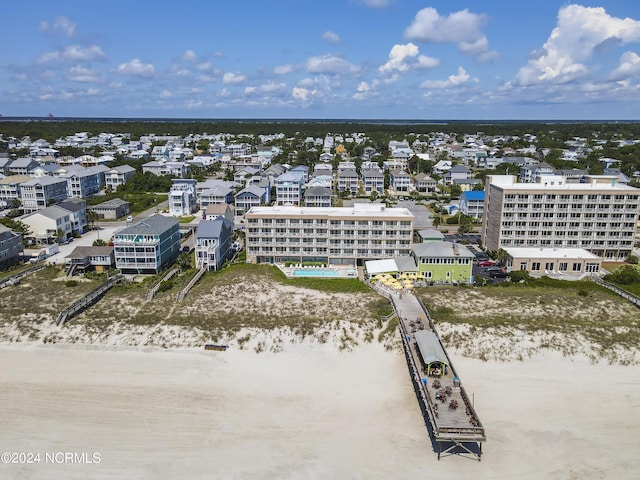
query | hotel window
[577, 267]
[523, 265]
[548, 266]
[535, 266]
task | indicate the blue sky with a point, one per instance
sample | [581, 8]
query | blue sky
[399, 59]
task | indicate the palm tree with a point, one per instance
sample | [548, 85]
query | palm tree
[92, 218]
[437, 220]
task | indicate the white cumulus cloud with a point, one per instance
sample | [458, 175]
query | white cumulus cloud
[579, 34]
[267, 88]
[283, 69]
[330, 37]
[61, 25]
[135, 68]
[73, 53]
[189, 56]
[82, 74]
[330, 64]
[462, 28]
[455, 80]
[165, 94]
[629, 66]
[233, 78]
[427, 62]
[301, 93]
[397, 57]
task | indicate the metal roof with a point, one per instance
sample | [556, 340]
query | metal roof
[430, 348]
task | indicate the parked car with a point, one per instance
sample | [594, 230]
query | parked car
[498, 274]
[486, 263]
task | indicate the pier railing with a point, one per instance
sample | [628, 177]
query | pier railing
[88, 300]
[15, 278]
[614, 288]
[153, 290]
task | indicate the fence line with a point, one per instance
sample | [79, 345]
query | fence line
[614, 288]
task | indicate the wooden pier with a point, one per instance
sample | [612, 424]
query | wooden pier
[448, 411]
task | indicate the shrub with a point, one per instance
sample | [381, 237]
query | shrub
[71, 283]
[625, 275]
[164, 286]
[520, 276]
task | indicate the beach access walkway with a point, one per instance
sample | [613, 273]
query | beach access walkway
[449, 414]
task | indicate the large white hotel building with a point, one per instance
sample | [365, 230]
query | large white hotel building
[333, 236]
[599, 215]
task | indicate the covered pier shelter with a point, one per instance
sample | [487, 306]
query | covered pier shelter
[433, 356]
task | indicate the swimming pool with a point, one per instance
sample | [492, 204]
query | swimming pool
[318, 272]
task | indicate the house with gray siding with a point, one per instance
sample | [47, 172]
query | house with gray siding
[148, 246]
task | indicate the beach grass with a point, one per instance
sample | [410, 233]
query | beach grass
[243, 296]
[582, 311]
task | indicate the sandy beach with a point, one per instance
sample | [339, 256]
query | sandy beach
[311, 412]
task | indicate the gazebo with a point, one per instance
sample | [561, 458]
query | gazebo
[431, 351]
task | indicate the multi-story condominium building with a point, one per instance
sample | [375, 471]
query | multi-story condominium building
[22, 166]
[10, 247]
[177, 169]
[472, 203]
[38, 193]
[302, 170]
[456, 172]
[48, 225]
[264, 183]
[400, 180]
[318, 197]
[599, 215]
[111, 209]
[424, 183]
[84, 182]
[289, 188]
[214, 239]
[214, 195]
[10, 187]
[118, 176]
[532, 173]
[373, 181]
[77, 208]
[182, 197]
[333, 236]
[148, 246]
[252, 196]
[239, 149]
[348, 180]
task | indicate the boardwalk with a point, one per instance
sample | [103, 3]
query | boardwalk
[448, 411]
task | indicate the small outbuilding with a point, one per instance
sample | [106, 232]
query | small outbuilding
[434, 359]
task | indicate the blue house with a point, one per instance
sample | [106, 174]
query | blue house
[148, 246]
[472, 203]
[213, 243]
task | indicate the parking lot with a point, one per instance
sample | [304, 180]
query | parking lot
[104, 233]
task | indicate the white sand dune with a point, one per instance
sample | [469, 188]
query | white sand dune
[312, 412]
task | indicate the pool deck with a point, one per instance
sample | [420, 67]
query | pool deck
[342, 272]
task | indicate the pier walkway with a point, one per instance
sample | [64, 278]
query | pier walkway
[448, 412]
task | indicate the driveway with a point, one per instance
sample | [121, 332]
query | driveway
[104, 233]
